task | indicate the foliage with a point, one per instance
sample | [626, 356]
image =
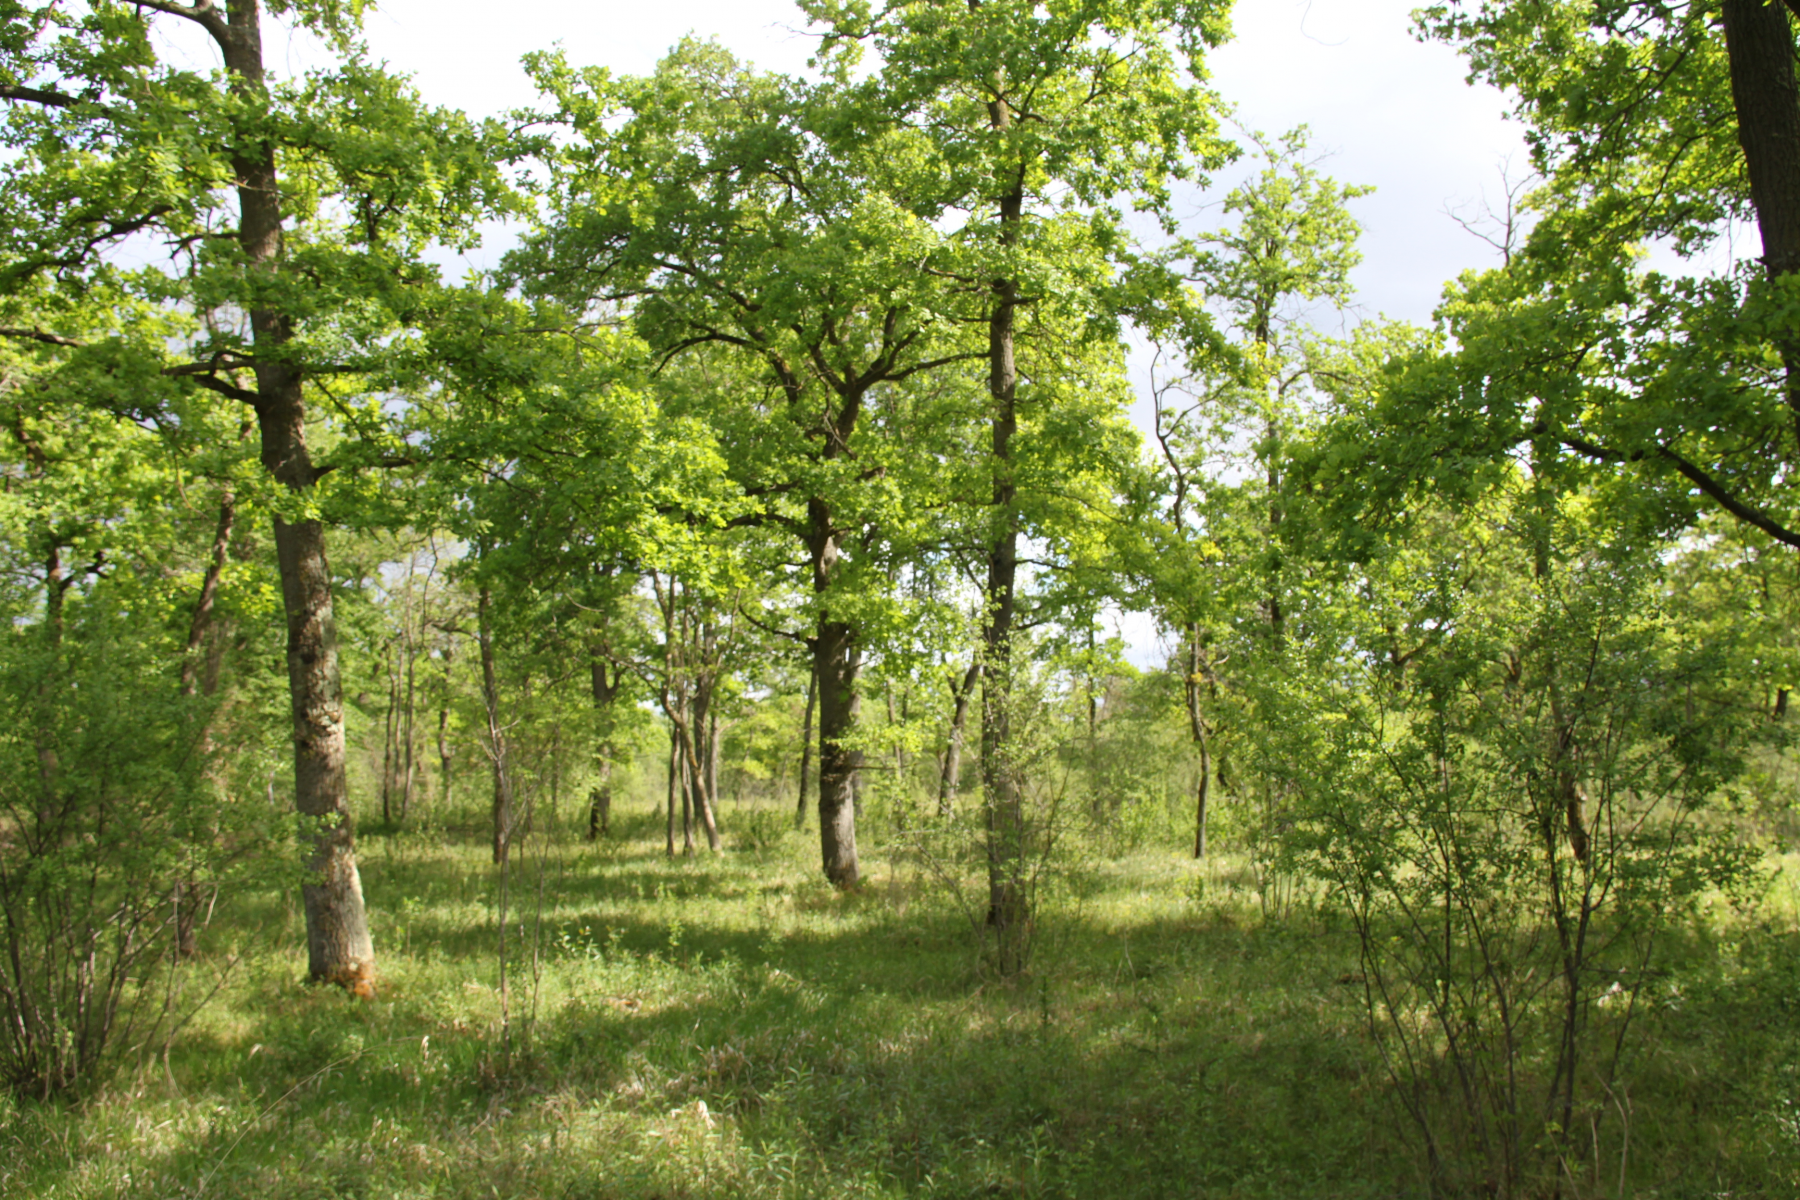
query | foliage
[115, 826]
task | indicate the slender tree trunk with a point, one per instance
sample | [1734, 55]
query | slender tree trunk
[806, 742]
[200, 666]
[1197, 727]
[201, 623]
[900, 788]
[1008, 906]
[446, 763]
[674, 786]
[490, 697]
[950, 778]
[339, 949]
[408, 724]
[390, 740]
[697, 744]
[686, 764]
[713, 751]
[605, 691]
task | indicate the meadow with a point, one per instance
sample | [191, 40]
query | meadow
[730, 1025]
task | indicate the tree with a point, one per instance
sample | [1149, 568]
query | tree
[1039, 121]
[295, 216]
[778, 255]
[1648, 122]
[1223, 427]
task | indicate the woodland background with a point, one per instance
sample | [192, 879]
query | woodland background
[665, 687]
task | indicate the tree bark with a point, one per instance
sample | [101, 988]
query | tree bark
[201, 623]
[950, 778]
[674, 787]
[1008, 906]
[837, 662]
[605, 691]
[806, 724]
[1197, 727]
[339, 949]
[698, 743]
[1760, 46]
[490, 699]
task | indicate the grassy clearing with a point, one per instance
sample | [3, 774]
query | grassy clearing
[731, 1027]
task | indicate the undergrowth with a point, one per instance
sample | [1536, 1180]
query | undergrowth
[730, 1026]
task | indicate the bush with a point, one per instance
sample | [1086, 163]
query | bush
[113, 840]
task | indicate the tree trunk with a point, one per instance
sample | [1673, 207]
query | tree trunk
[698, 745]
[837, 662]
[1760, 47]
[339, 949]
[490, 699]
[1197, 727]
[390, 742]
[1008, 906]
[408, 724]
[674, 787]
[605, 691]
[950, 778]
[806, 743]
[200, 624]
[446, 764]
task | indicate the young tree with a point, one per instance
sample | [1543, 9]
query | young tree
[1213, 557]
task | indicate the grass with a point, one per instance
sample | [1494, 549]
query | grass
[729, 1026]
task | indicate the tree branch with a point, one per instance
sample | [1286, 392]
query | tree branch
[1730, 503]
[34, 334]
[212, 383]
[201, 13]
[45, 96]
[1694, 474]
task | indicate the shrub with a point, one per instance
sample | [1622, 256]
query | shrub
[113, 839]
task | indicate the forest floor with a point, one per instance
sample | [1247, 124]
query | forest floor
[729, 1026]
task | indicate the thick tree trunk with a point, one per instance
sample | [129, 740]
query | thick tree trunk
[1760, 45]
[339, 949]
[837, 662]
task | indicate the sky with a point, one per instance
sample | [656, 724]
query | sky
[1384, 109]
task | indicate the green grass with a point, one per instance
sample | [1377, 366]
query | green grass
[729, 1026]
